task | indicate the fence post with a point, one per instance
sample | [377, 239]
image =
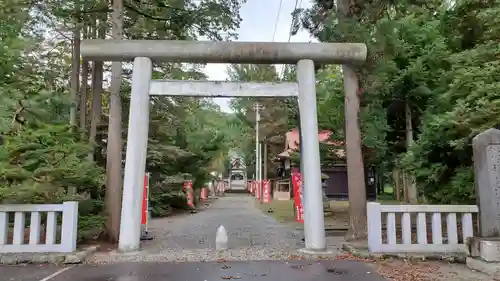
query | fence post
[374, 217]
[69, 228]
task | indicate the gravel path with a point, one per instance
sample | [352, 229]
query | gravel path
[246, 226]
[252, 235]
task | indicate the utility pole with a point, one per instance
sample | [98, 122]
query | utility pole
[258, 160]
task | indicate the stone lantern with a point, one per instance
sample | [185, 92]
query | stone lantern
[324, 185]
[326, 204]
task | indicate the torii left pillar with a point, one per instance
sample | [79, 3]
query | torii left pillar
[135, 163]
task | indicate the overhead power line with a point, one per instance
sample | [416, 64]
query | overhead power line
[297, 5]
[277, 20]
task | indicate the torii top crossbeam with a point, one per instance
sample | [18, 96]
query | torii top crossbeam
[222, 52]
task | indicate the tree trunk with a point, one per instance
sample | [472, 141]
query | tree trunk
[75, 66]
[96, 102]
[97, 77]
[114, 146]
[355, 166]
[75, 75]
[84, 89]
[397, 185]
[410, 182]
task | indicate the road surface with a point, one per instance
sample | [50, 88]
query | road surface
[197, 271]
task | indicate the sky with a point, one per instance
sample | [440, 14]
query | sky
[258, 22]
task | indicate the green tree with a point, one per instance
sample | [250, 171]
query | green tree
[428, 74]
[44, 159]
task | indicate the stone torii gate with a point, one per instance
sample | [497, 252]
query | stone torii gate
[143, 52]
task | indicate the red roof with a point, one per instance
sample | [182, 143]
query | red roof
[292, 142]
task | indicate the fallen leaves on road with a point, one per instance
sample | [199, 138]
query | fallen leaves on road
[336, 271]
[404, 270]
[295, 257]
[298, 266]
[350, 257]
[401, 270]
[229, 277]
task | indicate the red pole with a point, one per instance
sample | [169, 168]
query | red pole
[188, 186]
[266, 192]
[297, 197]
[145, 201]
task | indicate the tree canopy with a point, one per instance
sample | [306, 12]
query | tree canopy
[430, 84]
[45, 159]
[437, 58]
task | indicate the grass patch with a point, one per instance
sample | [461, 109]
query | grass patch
[388, 189]
[282, 211]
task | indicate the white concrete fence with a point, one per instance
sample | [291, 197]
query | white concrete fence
[61, 239]
[387, 241]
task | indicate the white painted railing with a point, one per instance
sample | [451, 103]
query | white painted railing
[55, 241]
[389, 242]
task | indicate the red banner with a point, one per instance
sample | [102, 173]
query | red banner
[258, 185]
[297, 197]
[204, 192]
[188, 186]
[266, 191]
[145, 203]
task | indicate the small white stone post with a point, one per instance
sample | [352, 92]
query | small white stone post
[221, 239]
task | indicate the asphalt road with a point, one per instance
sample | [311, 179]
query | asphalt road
[196, 271]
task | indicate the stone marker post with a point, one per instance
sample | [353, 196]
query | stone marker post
[485, 248]
[486, 156]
